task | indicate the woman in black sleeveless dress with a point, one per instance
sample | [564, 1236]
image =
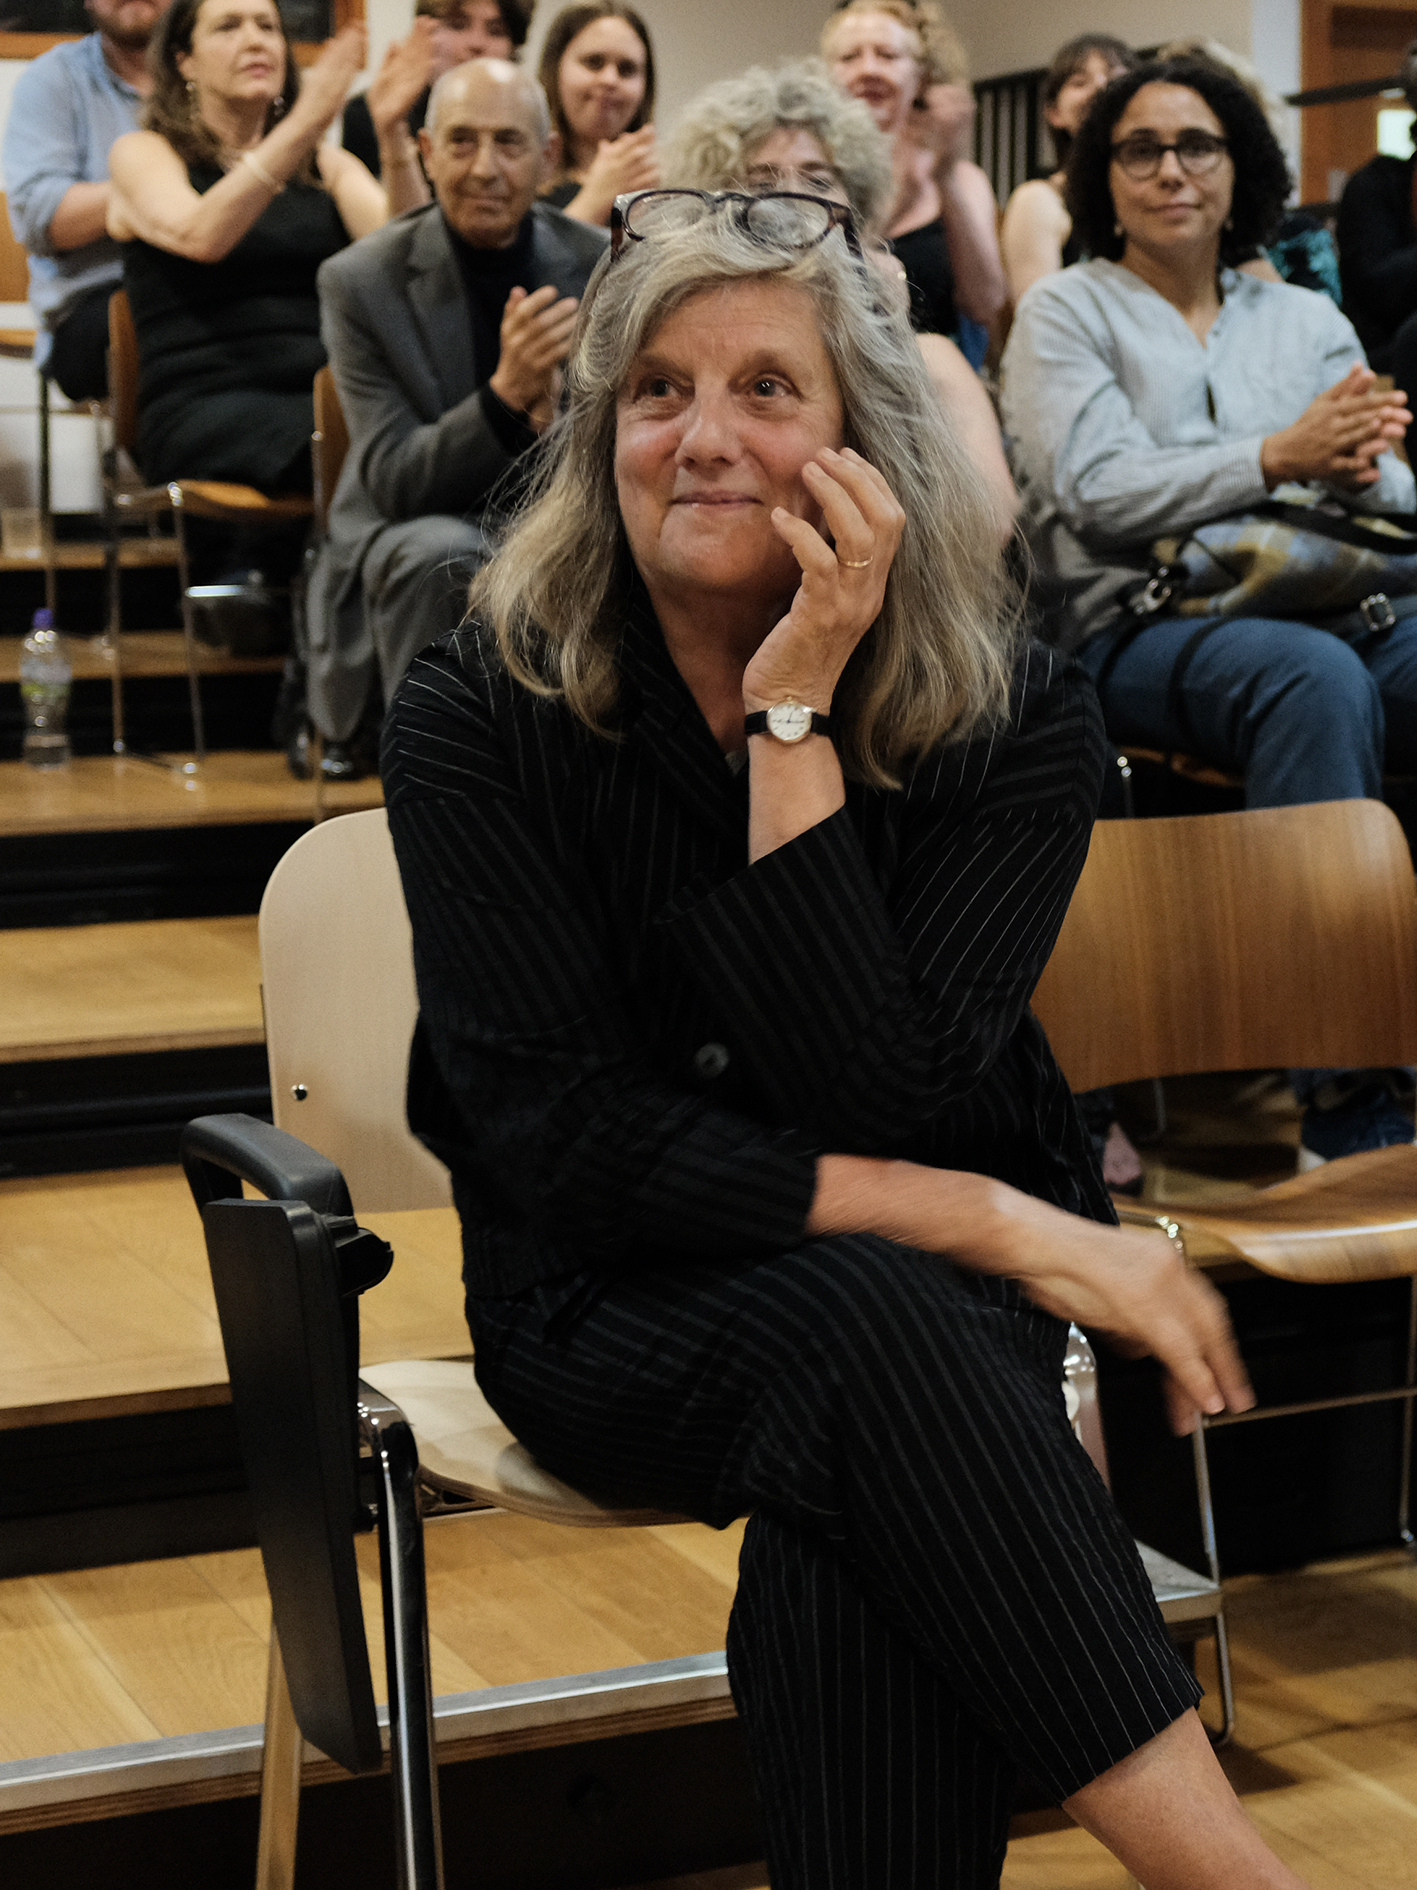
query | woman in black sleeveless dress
[228, 203]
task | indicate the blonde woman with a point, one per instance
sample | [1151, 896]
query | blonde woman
[905, 63]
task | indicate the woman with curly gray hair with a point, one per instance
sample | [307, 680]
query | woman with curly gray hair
[790, 128]
[735, 829]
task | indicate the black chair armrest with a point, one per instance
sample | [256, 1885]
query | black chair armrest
[217, 1150]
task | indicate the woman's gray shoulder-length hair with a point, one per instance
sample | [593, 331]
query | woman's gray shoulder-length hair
[938, 661]
[727, 122]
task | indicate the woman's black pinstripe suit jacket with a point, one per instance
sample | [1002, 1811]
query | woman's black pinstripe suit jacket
[634, 1045]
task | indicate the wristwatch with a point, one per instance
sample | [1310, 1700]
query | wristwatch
[787, 721]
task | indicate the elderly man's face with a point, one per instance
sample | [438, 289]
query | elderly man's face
[485, 156]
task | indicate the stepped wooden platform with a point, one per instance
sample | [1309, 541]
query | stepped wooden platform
[144, 653]
[104, 794]
[69, 554]
[106, 1308]
[122, 990]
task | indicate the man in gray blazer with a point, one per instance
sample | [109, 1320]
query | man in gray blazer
[445, 330]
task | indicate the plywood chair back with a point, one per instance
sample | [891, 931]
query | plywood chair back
[123, 371]
[1276, 937]
[337, 974]
[329, 444]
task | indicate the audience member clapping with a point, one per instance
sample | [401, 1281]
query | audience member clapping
[1155, 388]
[905, 63]
[1036, 235]
[792, 129]
[597, 70]
[446, 334]
[68, 108]
[229, 202]
[453, 31]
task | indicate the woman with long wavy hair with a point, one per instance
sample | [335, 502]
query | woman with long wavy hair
[228, 203]
[735, 829]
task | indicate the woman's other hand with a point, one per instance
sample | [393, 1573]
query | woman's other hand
[1339, 435]
[1127, 1282]
[629, 162]
[842, 588]
[404, 75]
[325, 85]
[942, 123]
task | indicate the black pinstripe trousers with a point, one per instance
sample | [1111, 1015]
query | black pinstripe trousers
[935, 1589]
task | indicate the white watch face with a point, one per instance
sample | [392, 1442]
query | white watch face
[789, 721]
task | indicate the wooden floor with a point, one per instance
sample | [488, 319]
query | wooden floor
[98, 794]
[115, 990]
[106, 1305]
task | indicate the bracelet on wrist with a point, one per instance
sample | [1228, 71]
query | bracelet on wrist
[254, 164]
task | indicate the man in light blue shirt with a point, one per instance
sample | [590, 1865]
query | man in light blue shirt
[66, 112]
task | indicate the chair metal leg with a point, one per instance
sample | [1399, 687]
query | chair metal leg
[46, 496]
[280, 1781]
[412, 1757]
[1201, 1460]
[189, 637]
[1404, 1489]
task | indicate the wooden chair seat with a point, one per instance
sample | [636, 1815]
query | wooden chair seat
[1352, 1219]
[466, 1451]
[17, 344]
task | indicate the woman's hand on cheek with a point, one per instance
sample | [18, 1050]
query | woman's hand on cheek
[842, 588]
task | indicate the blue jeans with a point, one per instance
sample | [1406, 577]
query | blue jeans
[1301, 714]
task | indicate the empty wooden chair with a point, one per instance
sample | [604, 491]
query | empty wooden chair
[1278, 937]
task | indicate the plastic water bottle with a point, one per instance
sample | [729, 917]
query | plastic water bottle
[45, 678]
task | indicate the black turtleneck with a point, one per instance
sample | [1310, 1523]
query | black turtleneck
[488, 278]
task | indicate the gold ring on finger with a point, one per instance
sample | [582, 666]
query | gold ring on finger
[855, 564]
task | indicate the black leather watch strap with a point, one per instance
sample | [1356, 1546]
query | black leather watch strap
[757, 723]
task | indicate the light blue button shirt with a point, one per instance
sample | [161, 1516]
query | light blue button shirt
[67, 110]
[1124, 427]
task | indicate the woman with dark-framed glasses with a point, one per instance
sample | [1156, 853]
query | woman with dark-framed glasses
[1155, 388]
[735, 827]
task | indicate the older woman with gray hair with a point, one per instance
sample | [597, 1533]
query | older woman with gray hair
[735, 828]
[791, 128]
